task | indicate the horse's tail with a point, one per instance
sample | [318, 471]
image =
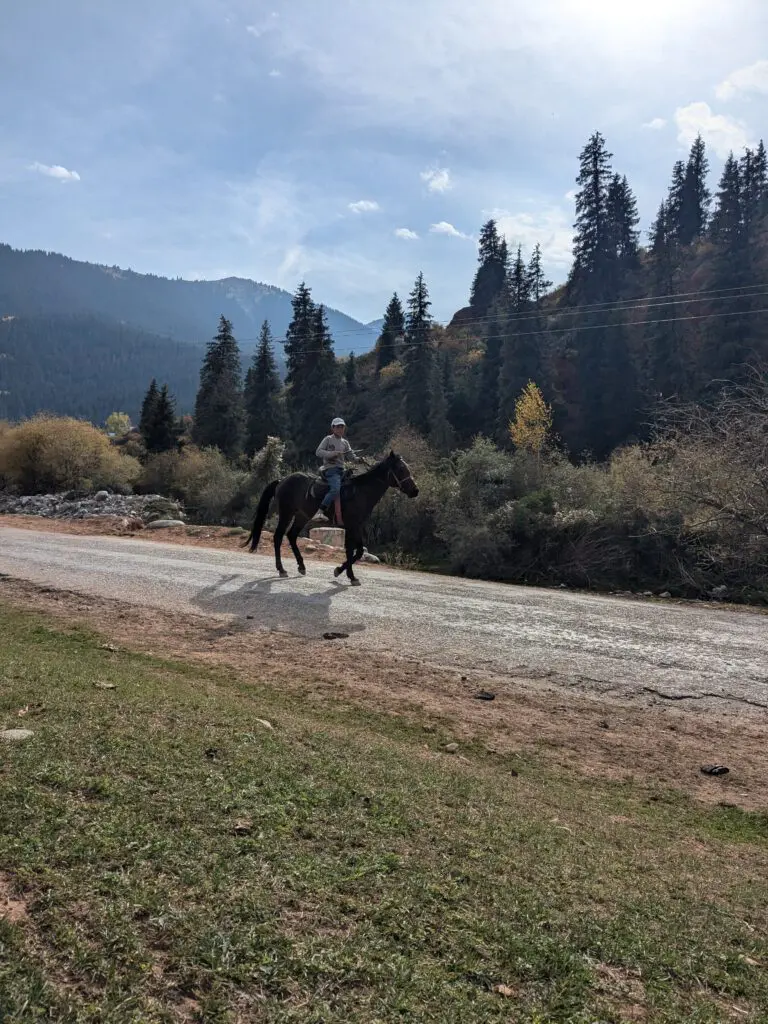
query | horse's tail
[261, 514]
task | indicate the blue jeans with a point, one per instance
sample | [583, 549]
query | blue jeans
[333, 477]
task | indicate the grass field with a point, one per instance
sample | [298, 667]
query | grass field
[167, 856]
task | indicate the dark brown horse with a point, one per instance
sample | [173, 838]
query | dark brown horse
[298, 499]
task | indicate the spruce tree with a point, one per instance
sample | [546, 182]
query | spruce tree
[490, 369]
[163, 429]
[300, 333]
[417, 357]
[695, 197]
[623, 220]
[392, 332]
[265, 416]
[219, 416]
[674, 203]
[726, 225]
[489, 279]
[753, 172]
[590, 276]
[148, 406]
[665, 366]
[538, 285]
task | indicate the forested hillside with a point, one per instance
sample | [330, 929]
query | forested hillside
[87, 366]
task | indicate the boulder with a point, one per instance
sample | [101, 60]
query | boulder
[164, 524]
[330, 535]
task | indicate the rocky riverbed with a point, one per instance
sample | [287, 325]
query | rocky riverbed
[145, 508]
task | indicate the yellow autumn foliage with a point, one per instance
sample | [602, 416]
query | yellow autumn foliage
[532, 424]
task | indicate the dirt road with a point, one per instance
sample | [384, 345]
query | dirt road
[644, 651]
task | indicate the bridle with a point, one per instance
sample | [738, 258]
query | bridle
[398, 481]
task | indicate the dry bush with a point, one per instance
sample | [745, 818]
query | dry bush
[49, 453]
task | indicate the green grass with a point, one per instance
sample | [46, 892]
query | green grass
[371, 878]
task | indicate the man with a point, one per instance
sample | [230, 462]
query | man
[333, 450]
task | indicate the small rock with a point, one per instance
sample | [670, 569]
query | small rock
[603, 724]
[13, 735]
[266, 724]
[665, 594]
[714, 769]
[718, 592]
[514, 772]
[647, 593]
[371, 559]
[485, 695]
[451, 748]
[242, 827]
[104, 686]
[310, 547]
[249, 616]
[335, 636]
[504, 990]
[212, 753]
[101, 496]
[428, 728]
[164, 524]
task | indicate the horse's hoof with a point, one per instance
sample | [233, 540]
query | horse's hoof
[302, 570]
[337, 572]
[354, 583]
[282, 574]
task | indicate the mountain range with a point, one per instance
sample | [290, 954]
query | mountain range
[83, 338]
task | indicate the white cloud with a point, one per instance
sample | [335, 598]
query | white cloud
[274, 73]
[364, 206]
[550, 226]
[266, 25]
[55, 171]
[656, 124]
[444, 228]
[724, 134]
[405, 233]
[438, 179]
[753, 78]
[570, 195]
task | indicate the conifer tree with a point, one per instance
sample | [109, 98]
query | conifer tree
[418, 356]
[392, 332]
[665, 365]
[163, 432]
[538, 285]
[623, 219]
[695, 196]
[726, 225]
[589, 280]
[219, 417]
[265, 416]
[148, 406]
[674, 203]
[489, 279]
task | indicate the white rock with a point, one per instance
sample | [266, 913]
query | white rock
[164, 524]
[11, 735]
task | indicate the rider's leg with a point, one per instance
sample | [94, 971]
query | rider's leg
[333, 476]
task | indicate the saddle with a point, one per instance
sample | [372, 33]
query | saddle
[319, 488]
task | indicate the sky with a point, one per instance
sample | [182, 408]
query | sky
[349, 143]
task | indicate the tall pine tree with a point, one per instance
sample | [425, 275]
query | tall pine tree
[219, 414]
[489, 279]
[590, 279]
[265, 415]
[163, 431]
[418, 356]
[695, 196]
[148, 406]
[392, 332]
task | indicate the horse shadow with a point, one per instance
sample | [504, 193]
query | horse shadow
[271, 602]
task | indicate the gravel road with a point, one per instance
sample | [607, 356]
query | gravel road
[619, 647]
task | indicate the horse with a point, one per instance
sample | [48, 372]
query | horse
[298, 499]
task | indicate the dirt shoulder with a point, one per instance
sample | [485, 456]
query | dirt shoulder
[658, 747]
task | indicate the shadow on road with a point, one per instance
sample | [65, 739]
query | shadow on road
[283, 604]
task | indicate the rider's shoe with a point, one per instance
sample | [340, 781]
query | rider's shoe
[320, 518]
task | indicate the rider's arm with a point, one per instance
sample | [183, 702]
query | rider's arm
[323, 451]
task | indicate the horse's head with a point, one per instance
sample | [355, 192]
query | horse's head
[399, 475]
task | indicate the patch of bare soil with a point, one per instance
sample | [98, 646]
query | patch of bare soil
[654, 746]
[222, 537]
[13, 908]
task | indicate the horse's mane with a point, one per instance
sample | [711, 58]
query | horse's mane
[379, 469]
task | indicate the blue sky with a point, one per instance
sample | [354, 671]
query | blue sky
[352, 143]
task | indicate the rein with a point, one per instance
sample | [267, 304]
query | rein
[399, 483]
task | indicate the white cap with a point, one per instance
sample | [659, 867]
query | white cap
[338, 422]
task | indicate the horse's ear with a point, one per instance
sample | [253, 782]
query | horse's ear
[392, 453]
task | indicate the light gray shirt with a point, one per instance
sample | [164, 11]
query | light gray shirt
[333, 451]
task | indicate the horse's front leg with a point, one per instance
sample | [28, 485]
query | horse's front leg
[280, 529]
[354, 552]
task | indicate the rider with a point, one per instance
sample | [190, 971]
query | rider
[333, 450]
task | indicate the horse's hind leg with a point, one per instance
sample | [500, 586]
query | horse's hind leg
[354, 552]
[298, 525]
[282, 525]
